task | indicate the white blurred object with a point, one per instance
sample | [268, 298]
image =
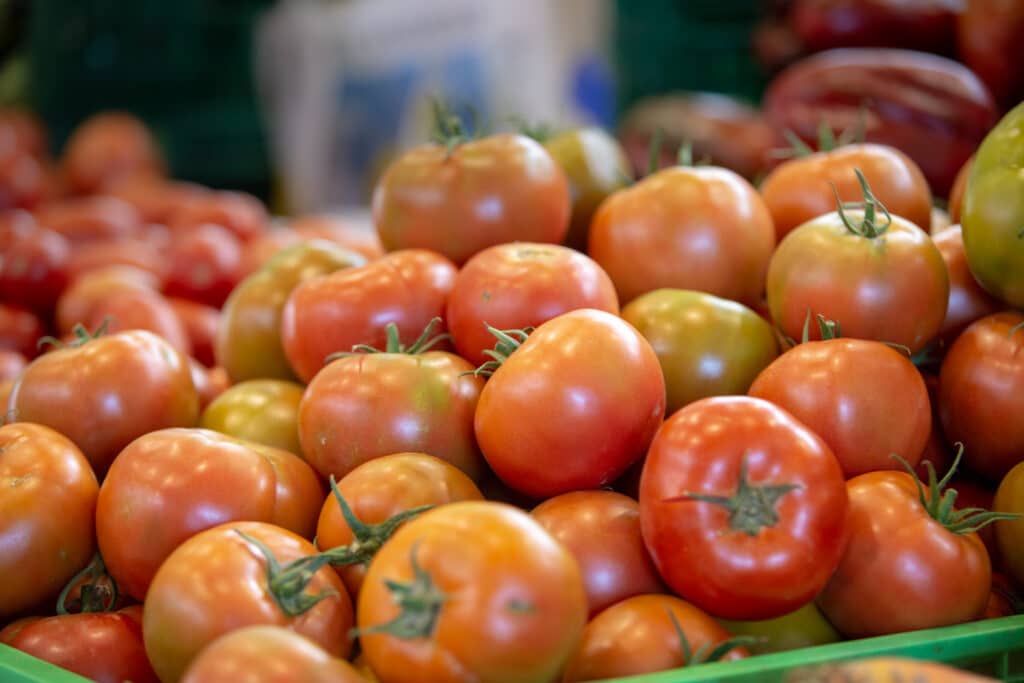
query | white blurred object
[345, 85]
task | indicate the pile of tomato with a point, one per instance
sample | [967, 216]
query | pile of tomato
[547, 423]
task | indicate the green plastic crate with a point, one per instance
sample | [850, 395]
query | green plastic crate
[994, 648]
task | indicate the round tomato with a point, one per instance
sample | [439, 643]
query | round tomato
[968, 301]
[1010, 533]
[11, 365]
[91, 219]
[519, 622]
[209, 382]
[707, 346]
[362, 239]
[107, 148]
[742, 508]
[701, 228]
[20, 330]
[519, 285]
[258, 252]
[803, 627]
[78, 302]
[34, 270]
[22, 130]
[586, 389]
[200, 323]
[205, 265]
[101, 254]
[262, 410]
[989, 41]
[239, 213]
[956, 195]
[884, 670]
[139, 309]
[22, 180]
[155, 198]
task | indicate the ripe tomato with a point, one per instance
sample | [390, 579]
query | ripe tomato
[602, 531]
[711, 232]
[78, 302]
[107, 148]
[956, 195]
[34, 270]
[156, 199]
[11, 365]
[981, 394]
[585, 386]
[205, 265]
[520, 621]
[800, 189]
[989, 36]
[262, 410]
[268, 654]
[1010, 533]
[362, 239]
[239, 213]
[803, 627]
[519, 285]
[22, 180]
[332, 314]
[968, 301]
[102, 254]
[381, 493]
[884, 670]
[46, 515]
[707, 346]
[140, 309]
[221, 580]
[21, 130]
[200, 323]
[646, 634]
[91, 219]
[14, 225]
[102, 646]
[209, 382]
[257, 252]
[20, 330]
[103, 393]
[742, 508]
[925, 25]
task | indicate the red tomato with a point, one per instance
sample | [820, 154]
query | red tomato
[91, 219]
[11, 365]
[14, 224]
[205, 265]
[360, 239]
[20, 330]
[209, 382]
[240, 213]
[990, 40]
[22, 181]
[106, 149]
[140, 309]
[104, 254]
[200, 323]
[956, 195]
[926, 25]
[585, 386]
[520, 285]
[79, 301]
[34, 270]
[742, 508]
[968, 301]
[22, 131]
[257, 252]
[156, 199]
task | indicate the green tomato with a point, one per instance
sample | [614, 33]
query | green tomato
[804, 627]
[265, 411]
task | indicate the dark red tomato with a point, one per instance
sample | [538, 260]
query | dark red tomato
[22, 131]
[333, 313]
[34, 270]
[107, 148]
[140, 309]
[520, 285]
[602, 531]
[968, 301]
[91, 219]
[502, 188]
[200, 323]
[557, 396]
[105, 647]
[981, 394]
[241, 213]
[927, 25]
[956, 195]
[156, 199]
[205, 265]
[11, 365]
[20, 330]
[22, 181]
[77, 303]
[990, 40]
[743, 508]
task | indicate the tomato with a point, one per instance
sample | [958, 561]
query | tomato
[107, 148]
[803, 627]
[989, 41]
[707, 346]
[11, 365]
[602, 531]
[801, 189]
[332, 314]
[239, 213]
[381, 493]
[884, 670]
[956, 195]
[742, 507]
[585, 386]
[967, 300]
[156, 199]
[268, 654]
[139, 309]
[209, 382]
[103, 393]
[981, 394]
[262, 410]
[21, 130]
[879, 277]
[221, 580]
[596, 166]
[97, 255]
[519, 285]
[19, 330]
[200, 323]
[248, 342]
[102, 646]
[519, 622]
[974, 494]
[710, 232]
[362, 239]
[14, 225]
[34, 270]
[22, 181]
[1010, 533]
[1004, 600]
[85, 295]
[46, 515]
[205, 265]
[458, 201]
[91, 219]
[257, 252]
[926, 25]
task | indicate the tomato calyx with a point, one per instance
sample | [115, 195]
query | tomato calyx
[871, 205]
[828, 329]
[508, 342]
[82, 337]
[287, 584]
[827, 139]
[393, 343]
[419, 602]
[98, 594]
[751, 508]
[1015, 329]
[448, 131]
[706, 653]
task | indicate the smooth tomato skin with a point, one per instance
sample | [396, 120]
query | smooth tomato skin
[155, 198]
[205, 265]
[102, 646]
[34, 270]
[956, 195]
[108, 148]
[586, 388]
[981, 394]
[107, 392]
[101, 254]
[46, 515]
[22, 130]
[360, 239]
[520, 621]
[11, 365]
[1010, 533]
[209, 382]
[893, 288]
[989, 42]
[216, 582]
[888, 670]
[519, 285]
[169, 485]
[200, 324]
[501, 188]
[140, 309]
[22, 180]
[238, 212]
[902, 570]
[381, 488]
[803, 627]
[727, 572]
[800, 189]
[91, 219]
[711, 232]
[707, 346]
[20, 330]
[968, 301]
[866, 400]
[77, 303]
[268, 654]
[262, 410]
[368, 405]
[602, 531]
[334, 313]
[636, 636]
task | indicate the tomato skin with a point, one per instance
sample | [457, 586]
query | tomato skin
[866, 400]
[262, 410]
[22, 181]
[107, 148]
[200, 324]
[520, 622]
[928, 576]
[11, 365]
[928, 26]
[383, 487]
[34, 270]
[989, 34]
[79, 302]
[1010, 533]
[885, 670]
[502, 188]
[156, 199]
[22, 131]
[140, 309]
[205, 265]
[360, 239]
[107, 392]
[91, 219]
[216, 582]
[968, 301]
[956, 195]
[20, 329]
[102, 254]
[727, 572]
[102, 646]
[803, 627]
[981, 394]
[237, 212]
[711, 232]
[557, 394]
[334, 313]
[519, 285]
[637, 636]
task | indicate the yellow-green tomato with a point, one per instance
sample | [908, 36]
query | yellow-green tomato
[804, 627]
[1010, 533]
[707, 346]
[261, 410]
